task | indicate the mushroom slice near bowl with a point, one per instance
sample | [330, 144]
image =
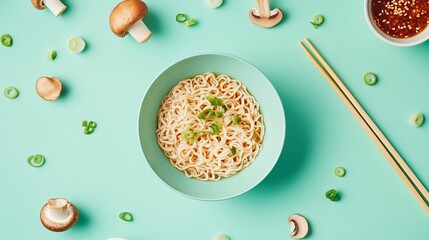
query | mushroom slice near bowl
[127, 17]
[298, 226]
[58, 214]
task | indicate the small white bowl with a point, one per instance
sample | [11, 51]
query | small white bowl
[401, 42]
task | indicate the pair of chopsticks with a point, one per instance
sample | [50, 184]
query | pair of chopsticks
[393, 157]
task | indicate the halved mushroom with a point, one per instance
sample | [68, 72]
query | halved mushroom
[298, 226]
[263, 16]
[58, 214]
[56, 6]
[49, 88]
[127, 17]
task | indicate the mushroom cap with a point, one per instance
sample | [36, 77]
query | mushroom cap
[276, 16]
[51, 220]
[301, 226]
[38, 4]
[48, 88]
[125, 14]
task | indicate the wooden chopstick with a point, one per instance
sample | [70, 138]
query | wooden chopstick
[393, 157]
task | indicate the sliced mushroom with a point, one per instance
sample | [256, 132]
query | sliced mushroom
[58, 214]
[56, 6]
[298, 226]
[127, 17]
[263, 16]
[49, 88]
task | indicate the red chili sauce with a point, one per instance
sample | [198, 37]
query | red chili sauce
[401, 18]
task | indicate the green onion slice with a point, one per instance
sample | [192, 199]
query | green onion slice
[233, 150]
[89, 127]
[84, 123]
[370, 79]
[236, 120]
[188, 134]
[216, 102]
[11, 92]
[215, 129]
[340, 171]
[214, 3]
[332, 195]
[417, 119]
[218, 113]
[222, 237]
[190, 22]
[126, 216]
[52, 55]
[317, 20]
[76, 44]
[36, 160]
[6, 40]
[206, 114]
[181, 17]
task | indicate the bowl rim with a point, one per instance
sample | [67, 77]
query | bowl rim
[276, 154]
[415, 40]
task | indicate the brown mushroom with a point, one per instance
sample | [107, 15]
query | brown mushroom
[263, 16]
[127, 17]
[56, 6]
[58, 214]
[48, 88]
[299, 226]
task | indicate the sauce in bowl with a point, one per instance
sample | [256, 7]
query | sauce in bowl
[401, 18]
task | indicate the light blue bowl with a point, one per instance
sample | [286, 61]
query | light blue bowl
[271, 107]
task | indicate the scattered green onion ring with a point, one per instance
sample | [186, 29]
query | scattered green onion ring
[181, 17]
[11, 92]
[417, 119]
[206, 114]
[233, 150]
[6, 40]
[52, 55]
[36, 160]
[126, 216]
[215, 129]
[221, 237]
[76, 44]
[89, 127]
[190, 22]
[370, 79]
[236, 120]
[340, 171]
[317, 20]
[332, 195]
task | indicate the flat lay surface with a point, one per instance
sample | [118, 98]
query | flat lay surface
[106, 173]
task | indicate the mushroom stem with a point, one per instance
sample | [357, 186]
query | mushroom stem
[264, 8]
[58, 208]
[140, 32]
[56, 6]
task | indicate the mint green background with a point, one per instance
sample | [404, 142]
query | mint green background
[106, 173]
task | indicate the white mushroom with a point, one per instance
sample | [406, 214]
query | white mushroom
[56, 6]
[59, 214]
[298, 226]
[49, 88]
[127, 17]
[263, 16]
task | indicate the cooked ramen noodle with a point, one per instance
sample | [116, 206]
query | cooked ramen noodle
[210, 127]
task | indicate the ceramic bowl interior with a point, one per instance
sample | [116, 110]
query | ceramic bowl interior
[271, 107]
[401, 42]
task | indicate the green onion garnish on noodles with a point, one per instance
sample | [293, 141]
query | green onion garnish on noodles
[236, 120]
[218, 113]
[233, 150]
[216, 102]
[188, 134]
[215, 129]
[126, 216]
[206, 114]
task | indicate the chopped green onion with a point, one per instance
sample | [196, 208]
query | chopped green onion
[126, 216]
[190, 22]
[188, 134]
[76, 44]
[218, 113]
[317, 20]
[206, 114]
[370, 79]
[417, 119]
[332, 195]
[236, 120]
[221, 237]
[36, 160]
[214, 3]
[52, 55]
[233, 150]
[89, 127]
[11, 92]
[6, 40]
[215, 129]
[181, 17]
[340, 171]
[216, 102]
